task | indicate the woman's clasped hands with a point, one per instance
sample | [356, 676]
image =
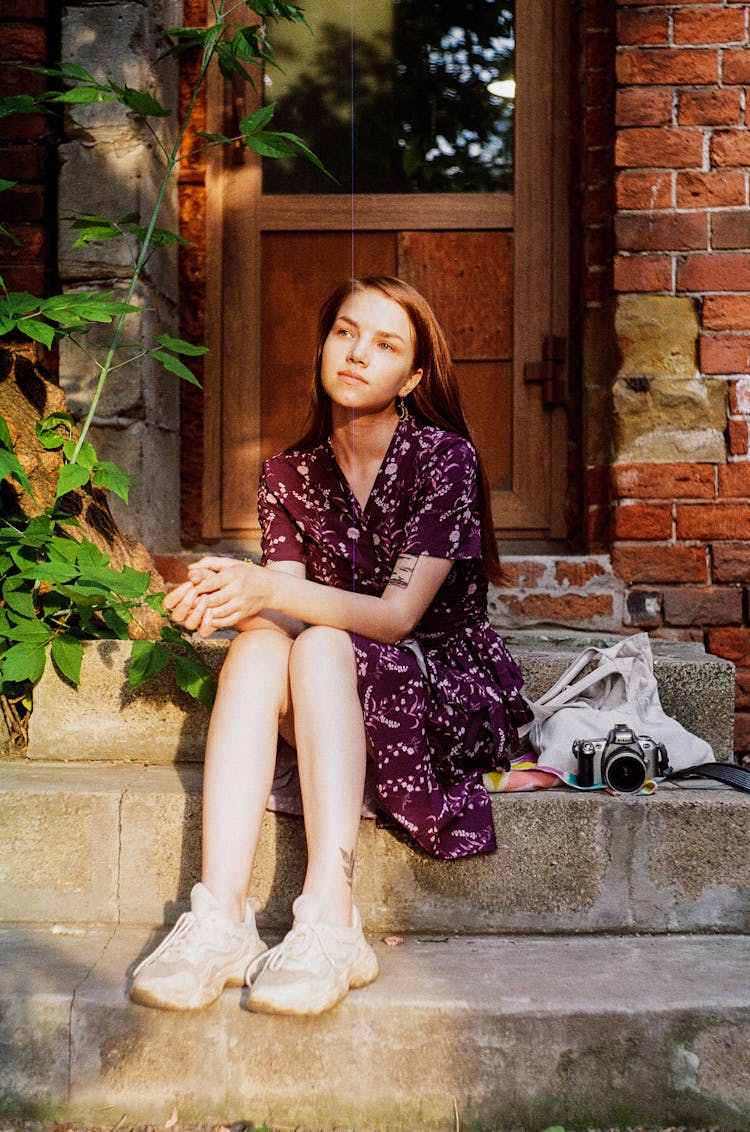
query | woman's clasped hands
[219, 594]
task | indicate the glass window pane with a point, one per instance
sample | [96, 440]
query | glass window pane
[396, 96]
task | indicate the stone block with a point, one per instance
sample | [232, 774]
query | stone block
[123, 45]
[670, 419]
[679, 881]
[102, 719]
[151, 456]
[60, 854]
[142, 388]
[122, 1055]
[657, 336]
[106, 179]
[590, 1031]
[567, 861]
[40, 969]
[161, 827]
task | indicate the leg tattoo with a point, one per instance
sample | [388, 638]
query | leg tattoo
[348, 865]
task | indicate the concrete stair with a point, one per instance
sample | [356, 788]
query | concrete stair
[591, 973]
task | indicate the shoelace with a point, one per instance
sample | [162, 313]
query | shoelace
[182, 935]
[295, 945]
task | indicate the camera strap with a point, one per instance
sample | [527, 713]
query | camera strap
[729, 773]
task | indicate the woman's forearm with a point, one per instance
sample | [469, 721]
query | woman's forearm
[379, 618]
[230, 594]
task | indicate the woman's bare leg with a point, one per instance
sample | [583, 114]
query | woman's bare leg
[331, 754]
[253, 697]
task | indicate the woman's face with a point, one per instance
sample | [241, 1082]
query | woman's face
[368, 356]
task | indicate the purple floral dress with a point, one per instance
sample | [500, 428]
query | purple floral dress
[441, 707]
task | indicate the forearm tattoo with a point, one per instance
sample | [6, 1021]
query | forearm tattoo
[403, 571]
[348, 865]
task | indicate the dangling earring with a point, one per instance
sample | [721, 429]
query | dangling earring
[402, 411]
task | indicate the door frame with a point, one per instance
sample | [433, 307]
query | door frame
[237, 215]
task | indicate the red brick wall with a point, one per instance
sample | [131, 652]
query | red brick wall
[683, 228]
[29, 33]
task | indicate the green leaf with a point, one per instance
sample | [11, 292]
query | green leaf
[258, 120]
[277, 10]
[74, 71]
[147, 658]
[48, 438]
[17, 104]
[83, 220]
[140, 101]
[129, 582]
[103, 310]
[86, 456]
[31, 632]
[10, 466]
[268, 144]
[52, 572]
[192, 676]
[19, 600]
[214, 139]
[156, 602]
[179, 346]
[5, 439]
[37, 331]
[112, 478]
[19, 302]
[5, 184]
[90, 557]
[305, 151]
[67, 653]
[81, 95]
[14, 240]
[116, 623]
[24, 662]
[71, 476]
[65, 549]
[174, 365]
[97, 234]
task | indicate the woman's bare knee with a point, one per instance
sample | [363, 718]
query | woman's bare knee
[257, 659]
[322, 651]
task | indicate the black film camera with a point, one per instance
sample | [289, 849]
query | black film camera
[623, 761]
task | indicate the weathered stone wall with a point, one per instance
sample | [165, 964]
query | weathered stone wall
[111, 165]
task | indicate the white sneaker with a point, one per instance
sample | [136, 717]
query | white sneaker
[313, 967]
[204, 952]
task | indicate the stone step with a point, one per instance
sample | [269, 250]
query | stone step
[121, 843]
[485, 1034]
[104, 720]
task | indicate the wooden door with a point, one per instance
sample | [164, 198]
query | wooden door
[493, 264]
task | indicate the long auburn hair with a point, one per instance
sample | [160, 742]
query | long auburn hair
[436, 399]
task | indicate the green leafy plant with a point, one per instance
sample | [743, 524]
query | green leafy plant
[57, 590]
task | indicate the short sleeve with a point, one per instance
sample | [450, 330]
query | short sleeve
[445, 522]
[280, 538]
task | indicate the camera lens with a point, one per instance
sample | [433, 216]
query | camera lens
[624, 772]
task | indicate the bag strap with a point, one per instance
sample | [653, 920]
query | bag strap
[566, 687]
[730, 773]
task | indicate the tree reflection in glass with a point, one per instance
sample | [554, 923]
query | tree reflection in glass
[412, 96]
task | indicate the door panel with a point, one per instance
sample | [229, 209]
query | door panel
[467, 277]
[299, 270]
